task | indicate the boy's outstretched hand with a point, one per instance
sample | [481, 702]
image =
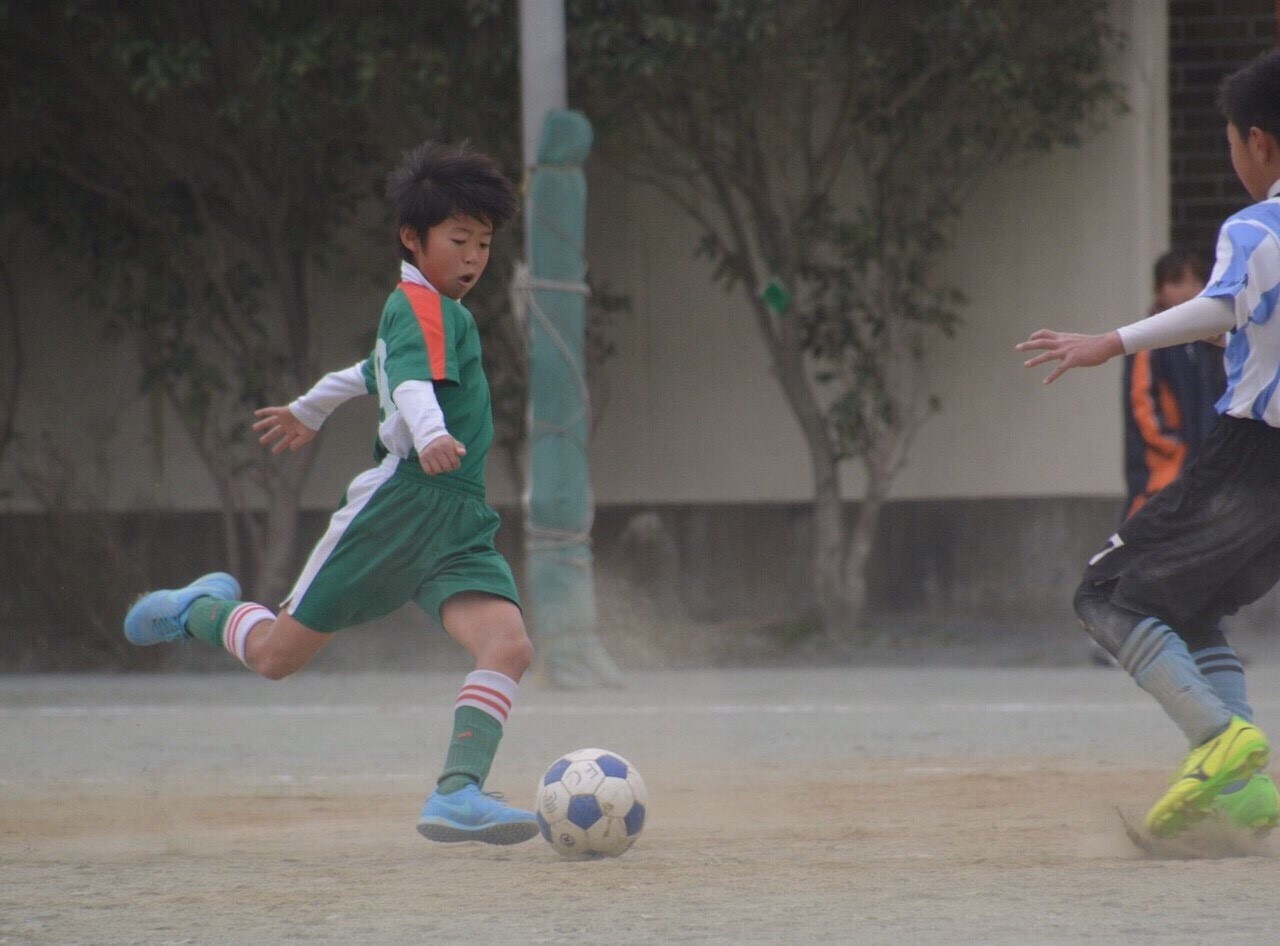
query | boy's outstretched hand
[279, 425]
[1074, 351]
[442, 455]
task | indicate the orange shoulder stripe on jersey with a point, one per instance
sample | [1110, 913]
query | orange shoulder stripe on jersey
[426, 307]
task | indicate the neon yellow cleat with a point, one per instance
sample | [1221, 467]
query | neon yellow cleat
[1234, 754]
[1255, 805]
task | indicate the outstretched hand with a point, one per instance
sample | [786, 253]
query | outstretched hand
[1073, 350]
[281, 430]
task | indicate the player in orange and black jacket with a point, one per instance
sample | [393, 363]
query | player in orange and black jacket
[1169, 392]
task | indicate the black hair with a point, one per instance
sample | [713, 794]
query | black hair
[1170, 267]
[1250, 96]
[437, 181]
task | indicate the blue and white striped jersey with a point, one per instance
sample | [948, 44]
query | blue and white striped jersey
[1247, 272]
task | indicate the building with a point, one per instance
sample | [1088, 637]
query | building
[1010, 487]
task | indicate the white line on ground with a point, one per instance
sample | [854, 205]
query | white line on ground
[287, 779]
[595, 709]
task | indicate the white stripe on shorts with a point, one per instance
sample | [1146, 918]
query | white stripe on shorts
[359, 493]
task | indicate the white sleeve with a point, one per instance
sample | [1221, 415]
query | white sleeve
[416, 401]
[1190, 321]
[334, 389]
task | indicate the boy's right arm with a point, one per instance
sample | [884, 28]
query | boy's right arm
[1200, 318]
[1073, 350]
[281, 430]
[329, 393]
[296, 425]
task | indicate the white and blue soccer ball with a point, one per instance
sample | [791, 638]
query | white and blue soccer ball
[591, 803]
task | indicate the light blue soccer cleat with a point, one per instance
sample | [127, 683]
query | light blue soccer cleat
[162, 615]
[472, 815]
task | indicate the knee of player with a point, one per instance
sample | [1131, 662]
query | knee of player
[518, 650]
[1107, 623]
[1081, 599]
[276, 666]
[1086, 601]
[509, 648]
[272, 670]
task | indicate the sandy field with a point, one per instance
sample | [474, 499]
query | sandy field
[857, 805]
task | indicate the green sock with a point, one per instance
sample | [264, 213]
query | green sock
[208, 617]
[476, 735]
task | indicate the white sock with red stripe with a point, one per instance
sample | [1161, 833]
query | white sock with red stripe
[235, 633]
[490, 692]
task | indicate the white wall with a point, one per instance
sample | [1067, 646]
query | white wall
[693, 414]
[81, 395]
[1067, 242]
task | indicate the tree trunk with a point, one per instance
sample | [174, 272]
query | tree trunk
[260, 550]
[279, 551]
[839, 602]
[860, 540]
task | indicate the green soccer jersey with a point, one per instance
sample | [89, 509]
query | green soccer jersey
[424, 336]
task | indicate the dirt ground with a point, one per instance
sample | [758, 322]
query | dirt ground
[859, 805]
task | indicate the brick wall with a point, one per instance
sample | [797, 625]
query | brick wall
[1208, 39]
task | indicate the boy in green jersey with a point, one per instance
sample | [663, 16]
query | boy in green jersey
[416, 527]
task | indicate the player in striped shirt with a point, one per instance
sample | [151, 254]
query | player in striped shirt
[1209, 543]
[417, 526]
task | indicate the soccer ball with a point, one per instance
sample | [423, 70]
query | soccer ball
[591, 803]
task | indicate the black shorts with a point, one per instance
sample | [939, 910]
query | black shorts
[1209, 542]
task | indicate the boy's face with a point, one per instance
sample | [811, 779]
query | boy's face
[453, 254]
[1255, 157]
[1186, 286]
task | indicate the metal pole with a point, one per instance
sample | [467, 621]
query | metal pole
[558, 504]
[543, 74]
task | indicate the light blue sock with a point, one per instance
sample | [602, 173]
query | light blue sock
[1225, 673]
[1159, 662]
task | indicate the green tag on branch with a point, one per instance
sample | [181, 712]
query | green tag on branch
[776, 297]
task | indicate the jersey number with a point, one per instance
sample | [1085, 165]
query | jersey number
[1113, 543]
[384, 385]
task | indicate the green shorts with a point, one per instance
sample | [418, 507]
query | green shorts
[400, 536]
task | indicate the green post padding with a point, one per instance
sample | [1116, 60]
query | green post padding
[559, 507]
